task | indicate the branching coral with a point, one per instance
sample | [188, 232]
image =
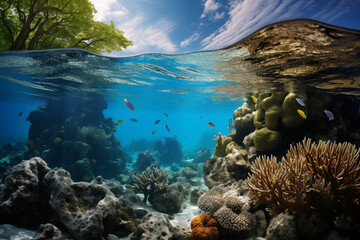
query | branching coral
[204, 227]
[323, 176]
[150, 182]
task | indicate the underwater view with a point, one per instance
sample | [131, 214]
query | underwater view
[257, 140]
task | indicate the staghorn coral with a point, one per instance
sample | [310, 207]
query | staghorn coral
[150, 182]
[323, 176]
[204, 227]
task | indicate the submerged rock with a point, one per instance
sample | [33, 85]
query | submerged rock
[154, 226]
[23, 199]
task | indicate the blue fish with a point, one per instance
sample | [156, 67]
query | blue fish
[334, 139]
[329, 114]
[157, 121]
[167, 127]
[300, 101]
[230, 125]
[153, 131]
[133, 119]
[166, 115]
[129, 105]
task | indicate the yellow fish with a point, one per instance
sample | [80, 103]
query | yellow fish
[232, 131]
[82, 115]
[120, 121]
[301, 113]
[116, 123]
[57, 140]
[254, 98]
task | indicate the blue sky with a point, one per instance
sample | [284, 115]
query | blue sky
[179, 26]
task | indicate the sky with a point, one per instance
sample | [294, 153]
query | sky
[181, 26]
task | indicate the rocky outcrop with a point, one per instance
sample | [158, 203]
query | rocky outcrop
[32, 193]
[23, 199]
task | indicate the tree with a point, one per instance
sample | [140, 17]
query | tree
[43, 24]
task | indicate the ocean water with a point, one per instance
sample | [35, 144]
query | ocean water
[193, 95]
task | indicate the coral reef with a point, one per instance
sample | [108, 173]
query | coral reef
[204, 227]
[323, 176]
[150, 182]
[282, 227]
[63, 133]
[172, 199]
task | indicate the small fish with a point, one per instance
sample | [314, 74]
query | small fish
[166, 115]
[115, 124]
[230, 125]
[120, 121]
[117, 140]
[210, 124]
[167, 127]
[62, 131]
[133, 119]
[93, 161]
[129, 105]
[153, 131]
[200, 117]
[329, 114]
[232, 131]
[114, 129]
[157, 121]
[300, 101]
[20, 114]
[254, 98]
[301, 113]
[334, 139]
[57, 140]
[82, 115]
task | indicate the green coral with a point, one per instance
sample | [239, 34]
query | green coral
[266, 139]
[222, 142]
[291, 118]
[150, 182]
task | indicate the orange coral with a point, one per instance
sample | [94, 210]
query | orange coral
[204, 227]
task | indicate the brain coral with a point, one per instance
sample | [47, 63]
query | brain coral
[204, 227]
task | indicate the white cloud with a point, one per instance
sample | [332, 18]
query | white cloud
[147, 37]
[209, 6]
[190, 39]
[247, 16]
[108, 9]
[219, 15]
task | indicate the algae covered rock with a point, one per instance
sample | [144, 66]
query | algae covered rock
[266, 139]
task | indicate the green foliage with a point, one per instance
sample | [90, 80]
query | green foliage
[43, 24]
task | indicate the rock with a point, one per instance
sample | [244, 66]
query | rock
[114, 186]
[224, 171]
[144, 160]
[23, 200]
[154, 226]
[281, 227]
[87, 211]
[50, 232]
